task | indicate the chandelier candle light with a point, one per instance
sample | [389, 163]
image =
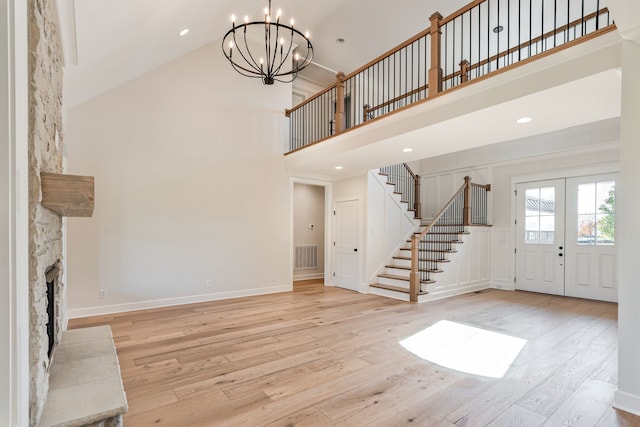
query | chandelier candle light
[286, 51]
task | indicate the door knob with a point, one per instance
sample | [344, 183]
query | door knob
[560, 254]
[355, 250]
[560, 247]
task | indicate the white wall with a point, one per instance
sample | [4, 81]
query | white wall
[627, 208]
[436, 189]
[14, 276]
[308, 209]
[389, 224]
[192, 196]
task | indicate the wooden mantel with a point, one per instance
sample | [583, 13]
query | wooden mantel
[68, 195]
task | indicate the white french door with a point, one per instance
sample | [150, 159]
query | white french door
[592, 256]
[540, 236]
[565, 237]
[346, 240]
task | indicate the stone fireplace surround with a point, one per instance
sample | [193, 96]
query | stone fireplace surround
[45, 227]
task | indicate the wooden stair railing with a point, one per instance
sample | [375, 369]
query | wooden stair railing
[468, 206]
[450, 52]
[406, 183]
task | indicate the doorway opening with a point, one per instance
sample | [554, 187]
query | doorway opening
[308, 231]
[565, 237]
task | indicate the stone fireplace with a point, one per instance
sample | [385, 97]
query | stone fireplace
[52, 196]
[45, 226]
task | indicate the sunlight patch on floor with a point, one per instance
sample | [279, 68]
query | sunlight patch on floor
[465, 348]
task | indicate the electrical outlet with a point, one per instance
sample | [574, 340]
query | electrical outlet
[103, 293]
[208, 284]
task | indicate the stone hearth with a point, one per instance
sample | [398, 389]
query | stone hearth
[85, 388]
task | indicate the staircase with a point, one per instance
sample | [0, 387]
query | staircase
[433, 246]
[395, 279]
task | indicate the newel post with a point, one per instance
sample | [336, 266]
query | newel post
[466, 213]
[414, 277]
[435, 72]
[464, 71]
[418, 205]
[340, 115]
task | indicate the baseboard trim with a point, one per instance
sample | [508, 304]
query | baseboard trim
[504, 285]
[627, 402]
[454, 291]
[308, 276]
[144, 305]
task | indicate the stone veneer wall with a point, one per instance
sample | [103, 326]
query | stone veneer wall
[45, 155]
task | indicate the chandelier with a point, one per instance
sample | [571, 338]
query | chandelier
[268, 50]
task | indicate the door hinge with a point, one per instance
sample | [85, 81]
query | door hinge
[514, 279]
[515, 193]
[515, 222]
[515, 251]
[334, 274]
[334, 212]
[334, 243]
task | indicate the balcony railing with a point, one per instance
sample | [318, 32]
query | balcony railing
[479, 39]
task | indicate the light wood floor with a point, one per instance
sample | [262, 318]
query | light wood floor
[322, 356]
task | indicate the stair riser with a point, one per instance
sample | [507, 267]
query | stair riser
[402, 262]
[389, 294]
[394, 282]
[398, 272]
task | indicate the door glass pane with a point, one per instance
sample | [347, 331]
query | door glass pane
[586, 198]
[606, 213]
[586, 229]
[547, 227]
[540, 216]
[596, 213]
[532, 226]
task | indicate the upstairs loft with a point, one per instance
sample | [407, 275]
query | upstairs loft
[462, 83]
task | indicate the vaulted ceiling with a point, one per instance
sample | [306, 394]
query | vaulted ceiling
[108, 42]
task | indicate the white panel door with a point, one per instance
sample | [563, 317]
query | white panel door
[540, 236]
[346, 244]
[591, 256]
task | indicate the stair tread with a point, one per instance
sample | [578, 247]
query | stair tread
[401, 267]
[408, 258]
[443, 241]
[439, 235]
[446, 232]
[406, 279]
[450, 251]
[395, 288]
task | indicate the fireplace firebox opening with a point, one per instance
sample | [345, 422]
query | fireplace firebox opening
[51, 277]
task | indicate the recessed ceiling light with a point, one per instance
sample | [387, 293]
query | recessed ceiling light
[337, 168]
[407, 150]
[522, 120]
[183, 32]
